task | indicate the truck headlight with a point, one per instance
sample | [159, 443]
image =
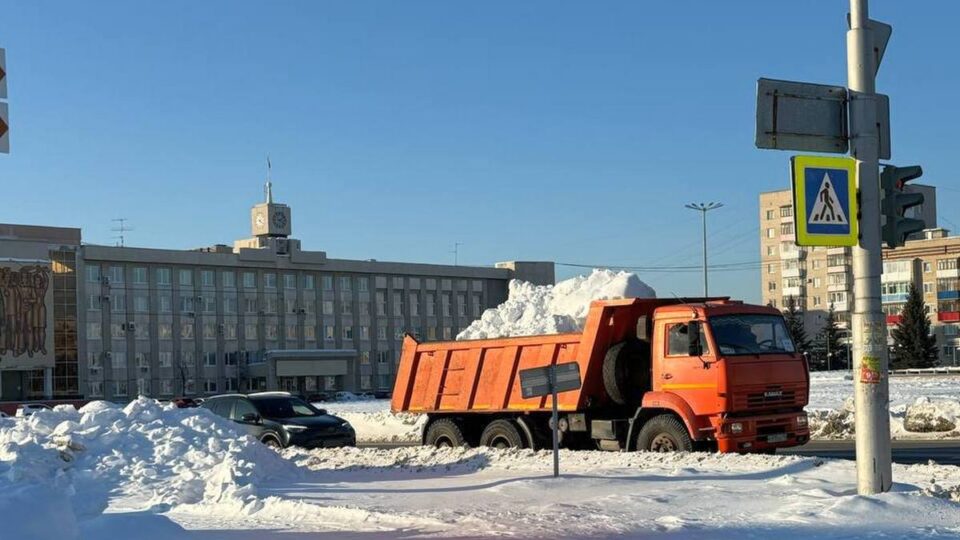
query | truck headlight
[802, 421]
[736, 428]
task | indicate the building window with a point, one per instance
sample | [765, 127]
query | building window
[120, 388]
[345, 283]
[308, 282]
[771, 232]
[445, 304]
[326, 282]
[365, 382]
[365, 333]
[431, 333]
[93, 274]
[272, 331]
[947, 264]
[310, 332]
[117, 331]
[93, 302]
[229, 330]
[771, 250]
[207, 278]
[210, 359]
[786, 211]
[397, 282]
[209, 304]
[186, 330]
[461, 305]
[229, 280]
[140, 275]
[475, 306]
[382, 332]
[186, 278]
[397, 304]
[164, 331]
[96, 389]
[250, 331]
[116, 274]
[347, 332]
[249, 280]
[291, 332]
[928, 287]
[229, 304]
[769, 268]
[837, 297]
[328, 333]
[927, 267]
[384, 381]
[816, 301]
[328, 307]
[817, 281]
[289, 281]
[770, 214]
[771, 286]
[94, 330]
[346, 306]
[166, 387]
[186, 304]
[786, 228]
[249, 305]
[414, 304]
[210, 386]
[270, 304]
[309, 306]
[447, 333]
[363, 284]
[209, 330]
[431, 303]
[364, 358]
[381, 303]
[165, 359]
[163, 276]
[270, 280]
[141, 303]
[118, 302]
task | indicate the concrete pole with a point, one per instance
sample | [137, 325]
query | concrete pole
[706, 288]
[869, 325]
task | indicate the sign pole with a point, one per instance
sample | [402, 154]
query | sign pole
[869, 325]
[556, 426]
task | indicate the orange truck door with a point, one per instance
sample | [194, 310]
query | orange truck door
[693, 378]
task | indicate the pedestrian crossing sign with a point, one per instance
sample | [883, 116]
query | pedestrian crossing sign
[825, 200]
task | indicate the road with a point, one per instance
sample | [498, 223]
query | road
[904, 452]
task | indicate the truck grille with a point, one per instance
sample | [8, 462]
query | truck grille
[769, 397]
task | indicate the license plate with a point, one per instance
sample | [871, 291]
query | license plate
[778, 437]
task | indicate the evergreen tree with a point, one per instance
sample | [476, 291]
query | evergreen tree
[794, 319]
[913, 346]
[828, 341]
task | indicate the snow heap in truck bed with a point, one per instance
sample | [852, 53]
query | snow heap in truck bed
[544, 309]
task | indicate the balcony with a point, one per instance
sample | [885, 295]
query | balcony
[951, 273]
[948, 295]
[948, 316]
[898, 298]
[788, 237]
[798, 254]
[838, 251]
[839, 269]
[796, 292]
[894, 319]
[793, 273]
[841, 306]
[838, 287]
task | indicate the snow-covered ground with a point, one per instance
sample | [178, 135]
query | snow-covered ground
[151, 473]
[922, 406]
[374, 422]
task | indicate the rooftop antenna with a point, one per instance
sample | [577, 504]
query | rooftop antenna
[120, 228]
[456, 253]
[269, 186]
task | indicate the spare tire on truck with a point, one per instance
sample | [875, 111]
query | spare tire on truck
[626, 371]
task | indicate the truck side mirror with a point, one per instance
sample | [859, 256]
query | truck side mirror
[694, 347]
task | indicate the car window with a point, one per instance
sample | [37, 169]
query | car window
[220, 407]
[284, 407]
[242, 407]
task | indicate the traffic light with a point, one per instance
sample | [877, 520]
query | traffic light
[894, 202]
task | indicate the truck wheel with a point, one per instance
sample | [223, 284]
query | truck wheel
[664, 433]
[626, 371]
[501, 434]
[444, 433]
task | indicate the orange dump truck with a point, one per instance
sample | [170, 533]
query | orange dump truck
[660, 375]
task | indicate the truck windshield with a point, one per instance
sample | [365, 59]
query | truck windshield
[751, 334]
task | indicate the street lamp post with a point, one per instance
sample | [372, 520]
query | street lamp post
[703, 208]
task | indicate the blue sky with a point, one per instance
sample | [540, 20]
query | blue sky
[565, 131]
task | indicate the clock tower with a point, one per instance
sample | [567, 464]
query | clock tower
[269, 219]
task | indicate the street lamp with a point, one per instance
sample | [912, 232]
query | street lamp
[703, 208]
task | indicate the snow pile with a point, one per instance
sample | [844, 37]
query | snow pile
[561, 308]
[926, 416]
[374, 423]
[159, 456]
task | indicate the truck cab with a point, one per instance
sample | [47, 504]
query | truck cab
[733, 370]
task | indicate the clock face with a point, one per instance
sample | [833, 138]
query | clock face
[280, 220]
[261, 219]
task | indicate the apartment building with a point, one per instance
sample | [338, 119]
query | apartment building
[816, 277]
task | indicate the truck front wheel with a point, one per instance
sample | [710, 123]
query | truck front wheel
[664, 433]
[501, 434]
[444, 433]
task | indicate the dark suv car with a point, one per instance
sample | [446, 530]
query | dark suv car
[279, 419]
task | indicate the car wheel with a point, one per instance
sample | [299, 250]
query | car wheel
[272, 442]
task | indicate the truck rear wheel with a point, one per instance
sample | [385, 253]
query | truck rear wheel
[664, 433]
[501, 434]
[626, 371]
[444, 433]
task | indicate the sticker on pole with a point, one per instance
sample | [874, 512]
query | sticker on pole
[825, 200]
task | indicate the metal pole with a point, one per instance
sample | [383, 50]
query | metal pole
[871, 392]
[828, 353]
[556, 423]
[706, 288]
